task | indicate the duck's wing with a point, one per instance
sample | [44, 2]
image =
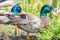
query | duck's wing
[32, 24]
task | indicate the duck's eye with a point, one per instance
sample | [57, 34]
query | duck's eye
[23, 16]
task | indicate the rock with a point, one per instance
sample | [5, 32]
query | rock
[3, 36]
[30, 34]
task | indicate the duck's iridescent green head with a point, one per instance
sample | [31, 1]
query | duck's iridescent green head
[45, 9]
[16, 9]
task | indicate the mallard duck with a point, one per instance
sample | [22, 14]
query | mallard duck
[28, 22]
[43, 15]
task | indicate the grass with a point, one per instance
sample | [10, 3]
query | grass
[7, 28]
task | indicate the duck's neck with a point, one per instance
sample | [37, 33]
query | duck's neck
[43, 14]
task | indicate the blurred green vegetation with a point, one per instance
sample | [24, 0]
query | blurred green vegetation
[34, 6]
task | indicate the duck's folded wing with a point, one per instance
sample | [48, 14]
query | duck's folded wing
[32, 25]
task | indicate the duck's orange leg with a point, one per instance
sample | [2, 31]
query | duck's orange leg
[16, 30]
[28, 37]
